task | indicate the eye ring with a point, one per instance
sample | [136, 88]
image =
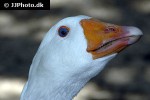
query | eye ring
[63, 31]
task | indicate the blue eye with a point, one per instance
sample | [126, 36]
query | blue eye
[63, 31]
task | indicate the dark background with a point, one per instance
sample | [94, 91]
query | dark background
[125, 78]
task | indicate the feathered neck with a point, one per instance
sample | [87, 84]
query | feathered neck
[46, 82]
[43, 89]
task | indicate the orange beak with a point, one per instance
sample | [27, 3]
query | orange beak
[104, 39]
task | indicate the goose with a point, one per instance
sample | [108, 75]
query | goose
[72, 52]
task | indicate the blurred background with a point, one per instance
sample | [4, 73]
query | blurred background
[127, 77]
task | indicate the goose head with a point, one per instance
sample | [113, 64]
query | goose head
[73, 51]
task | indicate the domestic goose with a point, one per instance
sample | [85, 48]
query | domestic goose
[72, 52]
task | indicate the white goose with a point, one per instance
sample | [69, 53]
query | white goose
[72, 52]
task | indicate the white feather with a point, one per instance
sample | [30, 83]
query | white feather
[61, 66]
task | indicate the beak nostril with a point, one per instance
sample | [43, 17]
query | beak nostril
[110, 29]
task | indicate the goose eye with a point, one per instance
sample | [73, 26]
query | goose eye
[63, 31]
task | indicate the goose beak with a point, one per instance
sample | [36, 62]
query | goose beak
[105, 39]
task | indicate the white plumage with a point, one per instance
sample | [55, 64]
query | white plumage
[62, 65]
